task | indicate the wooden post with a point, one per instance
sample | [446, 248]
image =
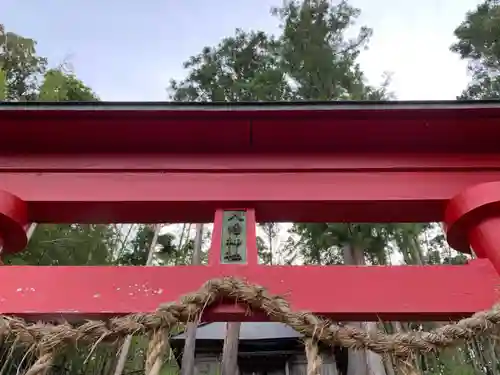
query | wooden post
[230, 350]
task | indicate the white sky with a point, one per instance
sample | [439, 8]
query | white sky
[411, 40]
[128, 50]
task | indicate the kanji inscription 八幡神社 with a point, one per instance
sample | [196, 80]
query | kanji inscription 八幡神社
[234, 237]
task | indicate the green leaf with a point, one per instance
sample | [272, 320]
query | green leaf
[478, 43]
[3, 86]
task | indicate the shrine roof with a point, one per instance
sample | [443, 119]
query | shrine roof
[339, 126]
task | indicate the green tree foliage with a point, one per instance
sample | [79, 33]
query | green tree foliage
[21, 65]
[310, 60]
[478, 43]
[317, 57]
[170, 249]
[25, 75]
[244, 67]
[58, 86]
[67, 245]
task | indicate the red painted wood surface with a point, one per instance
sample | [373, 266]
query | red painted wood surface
[249, 162]
[422, 127]
[472, 219]
[13, 223]
[371, 293]
[288, 164]
[194, 197]
[190, 187]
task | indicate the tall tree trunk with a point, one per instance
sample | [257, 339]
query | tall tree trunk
[361, 362]
[188, 356]
[416, 250]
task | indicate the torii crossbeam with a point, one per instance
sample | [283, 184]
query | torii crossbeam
[302, 162]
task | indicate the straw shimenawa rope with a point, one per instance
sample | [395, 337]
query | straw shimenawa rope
[42, 365]
[314, 361]
[157, 349]
[47, 337]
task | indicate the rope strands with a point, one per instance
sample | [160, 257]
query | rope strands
[157, 348]
[48, 338]
[42, 365]
[314, 361]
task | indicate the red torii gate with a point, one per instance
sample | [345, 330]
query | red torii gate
[302, 162]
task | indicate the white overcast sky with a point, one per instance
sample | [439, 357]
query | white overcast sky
[128, 50]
